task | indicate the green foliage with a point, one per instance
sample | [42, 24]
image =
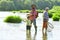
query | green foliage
[13, 19]
[6, 5]
[50, 15]
[55, 17]
[14, 12]
[55, 13]
[54, 10]
[40, 11]
[9, 5]
[27, 11]
[51, 12]
[56, 7]
[24, 11]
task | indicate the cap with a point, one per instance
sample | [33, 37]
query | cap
[46, 8]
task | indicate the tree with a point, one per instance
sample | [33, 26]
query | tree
[6, 6]
[26, 4]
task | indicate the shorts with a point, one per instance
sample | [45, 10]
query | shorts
[45, 23]
[28, 27]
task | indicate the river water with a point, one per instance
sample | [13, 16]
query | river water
[18, 31]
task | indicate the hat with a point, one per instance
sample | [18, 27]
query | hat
[46, 8]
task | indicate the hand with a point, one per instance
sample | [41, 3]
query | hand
[24, 20]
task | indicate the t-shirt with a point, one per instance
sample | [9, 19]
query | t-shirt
[34, 13]
[45, 16]
[28, 22]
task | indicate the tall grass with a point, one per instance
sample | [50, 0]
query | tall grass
[13, 19]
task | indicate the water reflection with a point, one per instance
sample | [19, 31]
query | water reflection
[47, 36]
[44, 36]
[17, 33]
[29, 36]
[34, 38]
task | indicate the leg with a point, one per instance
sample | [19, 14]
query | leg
[34, 23]
[43, 30]
[46, 26]
[29, 27]
[43, 27]
[26, 27]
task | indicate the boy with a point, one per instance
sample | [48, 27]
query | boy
[28, 22]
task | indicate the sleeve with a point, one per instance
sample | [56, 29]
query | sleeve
[36, 14]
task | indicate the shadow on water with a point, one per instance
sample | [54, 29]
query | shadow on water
[29, 36]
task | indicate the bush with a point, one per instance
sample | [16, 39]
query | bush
[57, 10]
[27, 11]
[55, 17]
[20, 11]
[40, 11]
[59, 16]
[13, 19]
[54, 10]
[24, 11]
[14, 12]
[50, 15]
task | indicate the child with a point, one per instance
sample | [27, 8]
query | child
[28, 22]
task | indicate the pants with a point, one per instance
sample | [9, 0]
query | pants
[34, 23]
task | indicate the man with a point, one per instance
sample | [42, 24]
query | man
[34, 14]
[45, 19]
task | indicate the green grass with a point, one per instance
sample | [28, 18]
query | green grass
[40, 11]
[24, 11]
[13, 19]
[27, 11]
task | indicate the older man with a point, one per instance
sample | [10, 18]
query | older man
[45, 19]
